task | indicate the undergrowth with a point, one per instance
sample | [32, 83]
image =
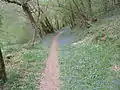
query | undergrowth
[25, 67]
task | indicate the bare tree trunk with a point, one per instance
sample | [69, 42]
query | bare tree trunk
[82, 16]
[118, 1]
[49, 25]
[31, 18]
[3, 77]
[0, 20]
[90, 8]
[105, 3]
[27, 11]
[57, 24]
[72, 17]
[82, 4]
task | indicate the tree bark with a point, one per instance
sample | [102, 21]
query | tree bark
[31, 18]
[82, 16]
[27, 11]
[3, 77]
[118, 1]
[90, 8]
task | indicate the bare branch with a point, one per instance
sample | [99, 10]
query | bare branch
[14, 2]
[38, 10]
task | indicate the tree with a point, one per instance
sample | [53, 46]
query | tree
[33, 12]
[118, 1]
[3, 77]
[26, 9]
[90, 7]
[0, 20]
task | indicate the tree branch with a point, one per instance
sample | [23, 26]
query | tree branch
[14, 2]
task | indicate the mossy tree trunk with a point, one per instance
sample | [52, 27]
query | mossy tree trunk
[3, 77]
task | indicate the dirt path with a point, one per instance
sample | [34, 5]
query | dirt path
[50, 79]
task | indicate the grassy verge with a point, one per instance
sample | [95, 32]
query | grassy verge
[24, 69]
[89, 67]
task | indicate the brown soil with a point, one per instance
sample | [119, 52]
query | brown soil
[50, 79]
[116, 68]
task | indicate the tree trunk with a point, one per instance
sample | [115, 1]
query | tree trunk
[27, 11]
[90, 8]
[0, 20]
[105, 4]
[49, 25]
[118, 1]
[82, 16]
[3, 77]
[72, 16]
[32, 20]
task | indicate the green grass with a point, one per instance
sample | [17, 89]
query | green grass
[89, 67]
[25, 68]
[83, 66]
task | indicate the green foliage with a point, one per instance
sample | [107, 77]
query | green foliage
[64, 12]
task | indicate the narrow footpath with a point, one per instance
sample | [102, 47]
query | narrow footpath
[50, 80]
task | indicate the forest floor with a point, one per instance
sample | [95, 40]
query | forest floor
[89, 59]
[25, 65]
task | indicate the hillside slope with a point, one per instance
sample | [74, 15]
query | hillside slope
[93, 63]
